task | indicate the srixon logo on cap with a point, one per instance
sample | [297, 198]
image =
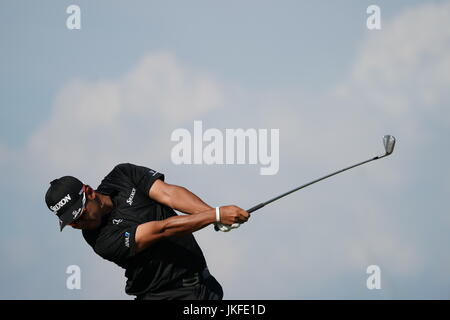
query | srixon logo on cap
[61, 203]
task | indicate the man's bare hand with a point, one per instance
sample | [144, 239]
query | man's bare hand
[233, 214]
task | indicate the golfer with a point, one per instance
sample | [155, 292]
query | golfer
[130, 221]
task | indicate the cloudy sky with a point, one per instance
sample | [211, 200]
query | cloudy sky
[77, 102]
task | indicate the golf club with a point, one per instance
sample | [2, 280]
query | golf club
[389, 143]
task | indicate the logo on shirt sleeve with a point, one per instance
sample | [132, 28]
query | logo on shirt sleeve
[127, 239]
[117, 221]
[130, 198]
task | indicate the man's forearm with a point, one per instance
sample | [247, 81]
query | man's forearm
[183, 200]
[150, 232]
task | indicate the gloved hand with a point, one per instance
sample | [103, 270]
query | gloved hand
[224, 227]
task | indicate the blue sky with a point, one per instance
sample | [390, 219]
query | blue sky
[256, 44]
[79, 101]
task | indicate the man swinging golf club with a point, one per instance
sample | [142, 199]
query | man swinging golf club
[130, 220]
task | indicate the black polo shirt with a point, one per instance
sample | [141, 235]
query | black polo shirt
[163, 263]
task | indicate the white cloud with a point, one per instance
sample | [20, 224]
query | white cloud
[96, 125]
[160, 84]
[404, 70]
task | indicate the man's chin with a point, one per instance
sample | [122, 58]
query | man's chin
[91, 225]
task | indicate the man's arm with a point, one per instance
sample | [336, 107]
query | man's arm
[181, 199]
[150, 232]
[178, 198]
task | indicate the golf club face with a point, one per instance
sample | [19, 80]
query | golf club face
[389, 143]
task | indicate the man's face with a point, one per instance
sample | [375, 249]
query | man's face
[91, 216]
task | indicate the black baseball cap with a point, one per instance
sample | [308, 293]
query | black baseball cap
[66, 198]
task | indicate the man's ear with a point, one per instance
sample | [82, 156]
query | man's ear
[90, 193]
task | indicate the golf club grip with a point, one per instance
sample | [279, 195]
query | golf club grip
[259, 206]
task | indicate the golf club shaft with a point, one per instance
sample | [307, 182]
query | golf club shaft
[259, 206]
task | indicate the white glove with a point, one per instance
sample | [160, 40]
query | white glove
[223, 227]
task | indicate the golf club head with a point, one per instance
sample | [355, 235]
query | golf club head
[389, 143]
